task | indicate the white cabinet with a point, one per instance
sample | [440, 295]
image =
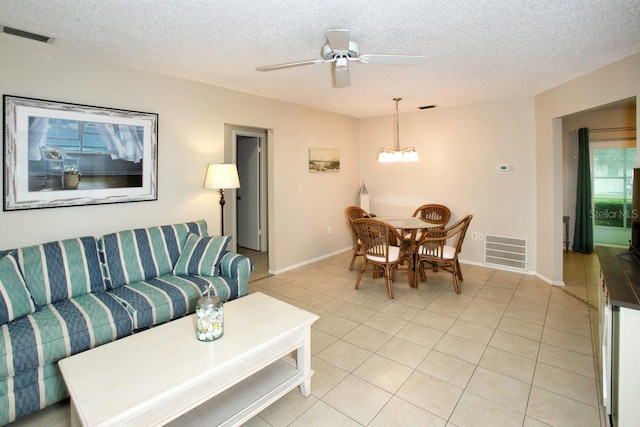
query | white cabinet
[626, 351]
[620, 336]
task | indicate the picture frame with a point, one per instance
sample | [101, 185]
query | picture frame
[324, 160]
[62, 154]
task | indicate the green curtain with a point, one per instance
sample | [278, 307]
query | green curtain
[583, 234]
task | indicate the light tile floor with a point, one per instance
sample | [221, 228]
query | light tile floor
[510, 350]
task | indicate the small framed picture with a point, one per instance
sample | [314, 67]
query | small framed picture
[324, 160]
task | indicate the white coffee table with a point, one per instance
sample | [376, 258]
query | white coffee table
[155, 376]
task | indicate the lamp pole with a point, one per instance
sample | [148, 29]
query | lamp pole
[222, 212]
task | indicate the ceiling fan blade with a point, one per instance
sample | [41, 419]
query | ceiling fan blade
[392, 59]
[341, 75]
[292, 64]
[338, 40]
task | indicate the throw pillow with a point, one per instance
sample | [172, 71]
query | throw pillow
[15, 299]
[201, 255]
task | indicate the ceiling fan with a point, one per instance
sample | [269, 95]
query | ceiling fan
[340, 50]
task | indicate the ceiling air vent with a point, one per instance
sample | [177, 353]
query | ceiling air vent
[27, 35]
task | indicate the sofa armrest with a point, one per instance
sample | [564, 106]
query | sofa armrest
[238, 267]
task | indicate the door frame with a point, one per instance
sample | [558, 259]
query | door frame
[261, 187]
[232, 133]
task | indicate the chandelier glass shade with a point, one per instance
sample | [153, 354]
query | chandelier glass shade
[397, 154]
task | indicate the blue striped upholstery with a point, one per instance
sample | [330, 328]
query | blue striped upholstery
[169, 297]
[49, 276]
[238, 267]
[201, 255]
[55, 331]
[61, 329]
[15, 298]
[134, 255]
[28, 396]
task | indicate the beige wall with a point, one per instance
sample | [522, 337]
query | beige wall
[612, 83]
[192, 118]
[460, 149]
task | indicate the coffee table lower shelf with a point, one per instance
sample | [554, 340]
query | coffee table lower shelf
[247, 398]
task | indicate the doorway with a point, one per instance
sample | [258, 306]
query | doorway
[251, 198]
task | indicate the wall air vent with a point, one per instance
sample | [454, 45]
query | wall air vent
[27, 35]
[504, 251]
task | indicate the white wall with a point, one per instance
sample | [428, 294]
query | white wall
[192, 117]
[612, 83]
[460, 149]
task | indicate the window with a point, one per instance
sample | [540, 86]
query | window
[612, 174]
[74, 136]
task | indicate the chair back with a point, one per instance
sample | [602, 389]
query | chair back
[437, 214]
[355, 212]
[375, 236]
[460, 232]
[433, 242]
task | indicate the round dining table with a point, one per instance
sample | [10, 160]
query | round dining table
[409, 226]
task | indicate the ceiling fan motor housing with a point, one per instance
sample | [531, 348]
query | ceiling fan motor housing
[330, 53]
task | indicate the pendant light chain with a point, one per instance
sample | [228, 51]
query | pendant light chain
[397, 124]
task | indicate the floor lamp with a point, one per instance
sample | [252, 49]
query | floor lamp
[221, 176]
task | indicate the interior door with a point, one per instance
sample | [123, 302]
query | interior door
[248, 195]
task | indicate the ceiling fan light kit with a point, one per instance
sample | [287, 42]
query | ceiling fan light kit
[340, 50]
[397, 154]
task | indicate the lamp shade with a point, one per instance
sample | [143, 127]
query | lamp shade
[221, 176]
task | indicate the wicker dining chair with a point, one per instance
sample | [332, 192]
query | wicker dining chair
[353, 213]
[383, 248]
[434, 213]
[441, 247]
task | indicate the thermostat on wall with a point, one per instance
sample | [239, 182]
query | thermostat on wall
[504, 168]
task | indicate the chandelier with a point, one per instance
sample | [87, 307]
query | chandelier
[396, 154]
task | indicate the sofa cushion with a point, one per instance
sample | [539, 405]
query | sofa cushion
[134, 255]
[159, 299]
[61, 329]
[169, 297]
[201, 255]
[62, 269]
[15, 299]
[25, 393]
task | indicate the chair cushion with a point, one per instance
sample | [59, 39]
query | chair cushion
[394, 254]
[15, 299]
[201, 255]
[448, 252]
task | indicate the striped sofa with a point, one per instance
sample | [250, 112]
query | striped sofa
[64, 297]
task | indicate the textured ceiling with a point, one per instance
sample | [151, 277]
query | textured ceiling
[477, 50]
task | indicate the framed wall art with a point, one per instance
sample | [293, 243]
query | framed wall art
[60, 154]
[324, 160]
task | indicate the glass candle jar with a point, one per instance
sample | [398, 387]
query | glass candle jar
[209, 318]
